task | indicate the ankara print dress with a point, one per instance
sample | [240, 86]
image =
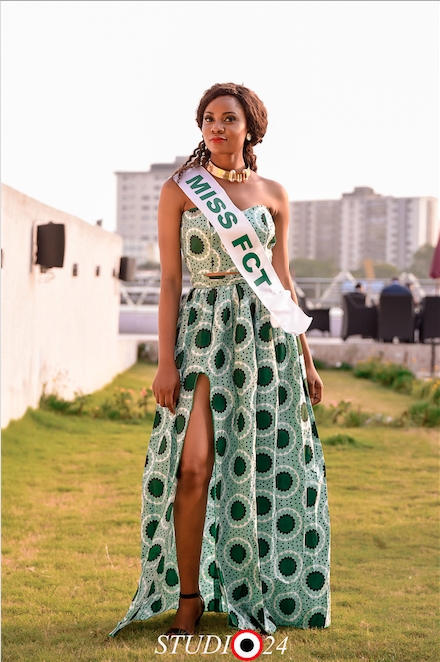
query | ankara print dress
[266, 543]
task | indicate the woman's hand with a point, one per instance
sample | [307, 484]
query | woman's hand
[314, 382]
[166, 386]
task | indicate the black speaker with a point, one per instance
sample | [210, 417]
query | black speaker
[127, 269]
[51, 240]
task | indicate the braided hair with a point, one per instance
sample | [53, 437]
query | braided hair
[256, 120]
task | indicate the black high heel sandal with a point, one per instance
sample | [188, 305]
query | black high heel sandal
[172, 631]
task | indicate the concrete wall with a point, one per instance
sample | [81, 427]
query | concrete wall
[422, 359]
[57, 329]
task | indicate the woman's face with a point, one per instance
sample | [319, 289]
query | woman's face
[224, 126]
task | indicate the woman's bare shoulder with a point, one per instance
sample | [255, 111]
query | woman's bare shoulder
[273, 187]
[171, 190]
[275, 192]
[172, 195]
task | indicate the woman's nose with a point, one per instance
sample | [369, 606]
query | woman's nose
[217, 127]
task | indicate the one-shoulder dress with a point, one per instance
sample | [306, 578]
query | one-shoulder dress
[265, 557]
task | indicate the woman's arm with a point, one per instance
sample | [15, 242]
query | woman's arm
[280, 261]
[166, 385]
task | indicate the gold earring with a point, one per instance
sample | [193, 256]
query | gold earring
[248, 137]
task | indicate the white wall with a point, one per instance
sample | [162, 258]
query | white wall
[57, 328]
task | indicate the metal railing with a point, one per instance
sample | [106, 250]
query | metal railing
[320, 291]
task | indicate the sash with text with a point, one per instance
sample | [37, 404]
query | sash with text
[244, 247]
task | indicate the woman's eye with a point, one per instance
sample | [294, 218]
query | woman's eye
[207, 119]
[231, 118]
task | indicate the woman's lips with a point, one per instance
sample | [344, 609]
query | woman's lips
[218, 140]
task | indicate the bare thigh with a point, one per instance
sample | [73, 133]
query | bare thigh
[197, 456]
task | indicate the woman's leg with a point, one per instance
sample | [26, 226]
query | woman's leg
[193, 475]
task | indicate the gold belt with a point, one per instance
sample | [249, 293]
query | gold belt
[221, 274]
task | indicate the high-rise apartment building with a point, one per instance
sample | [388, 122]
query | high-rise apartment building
[363, 224]
[137, 202]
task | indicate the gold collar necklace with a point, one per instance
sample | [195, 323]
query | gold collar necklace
[230, 175]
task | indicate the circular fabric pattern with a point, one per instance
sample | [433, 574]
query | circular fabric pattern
[240, 589]
[265, 376]
[264, 463]
[169, 580]
[280, 352]
[265, 332]
[189, 382]
[315, 580]
[288, 565]
[221, 444]
[179, 423]
[265, 505]
[196, 245]
[238, 553]
[179, 359]
[211, 297]
[283, 438]
[157, 420]
[164, 450]
[171, 577]
[221, 402]
[154, 486]
[242, 377]
[243, 336]
[285, 395]
[239, 467]
[315, 618]
[289, 524]
[288, 606]
[203, 338]
[155, 551]
[311, 496]
[148, 529]
[163, 445]
[314, 539]
[156, 607]
[286, 481]
[192, 316]
[239, 511]
[242, 423]
[219, 361]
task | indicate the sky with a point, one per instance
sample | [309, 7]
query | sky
[91, 88]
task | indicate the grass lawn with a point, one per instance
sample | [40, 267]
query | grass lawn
[71, 505]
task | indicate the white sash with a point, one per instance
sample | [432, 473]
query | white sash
[244, 247]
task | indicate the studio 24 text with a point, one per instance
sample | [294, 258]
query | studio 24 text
[209, 645]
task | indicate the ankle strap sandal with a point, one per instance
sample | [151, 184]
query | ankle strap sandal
[187, 596]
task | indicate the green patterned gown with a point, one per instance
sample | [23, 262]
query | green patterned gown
[266, 542]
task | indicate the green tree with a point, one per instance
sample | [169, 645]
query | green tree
[302, 267]
[148, 265]
[421, 261]
[381, 270]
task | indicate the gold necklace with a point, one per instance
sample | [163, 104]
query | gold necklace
[230, 175]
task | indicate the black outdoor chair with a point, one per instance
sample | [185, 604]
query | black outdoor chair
[396, 317]
[430, 324]
[358, 318]
[321, 316]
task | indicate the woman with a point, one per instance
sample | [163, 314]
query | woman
[234, 491]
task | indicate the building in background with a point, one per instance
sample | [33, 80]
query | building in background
[137, 202]
[361, 225]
